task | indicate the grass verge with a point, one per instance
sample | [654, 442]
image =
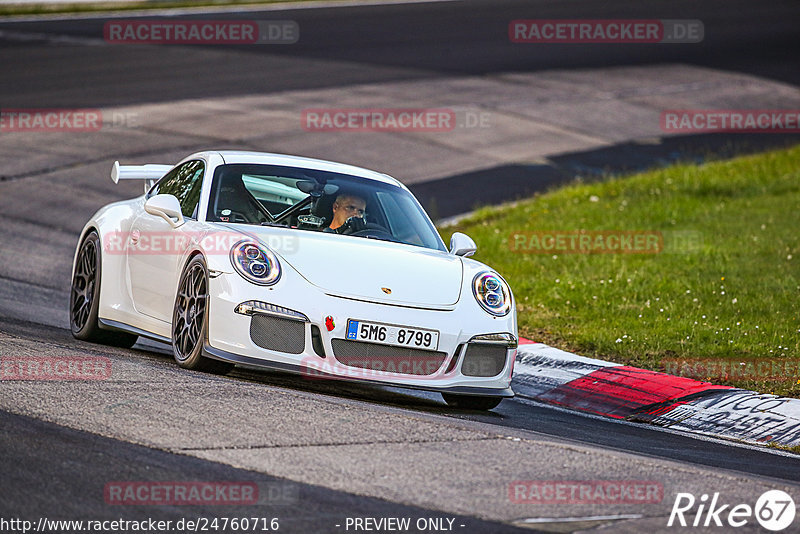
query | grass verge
[716, 299]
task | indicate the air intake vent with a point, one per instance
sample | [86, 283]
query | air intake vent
[281, 335]
[387, 358]
[316, 341]
[484, 360]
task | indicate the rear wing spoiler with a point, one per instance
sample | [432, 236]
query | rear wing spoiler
[150, 173]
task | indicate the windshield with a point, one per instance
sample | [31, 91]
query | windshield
[308, 199]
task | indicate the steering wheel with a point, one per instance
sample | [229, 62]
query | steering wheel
[374, 230]
[354, 225]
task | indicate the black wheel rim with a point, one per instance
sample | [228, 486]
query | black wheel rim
[83, 284]
[190, 312]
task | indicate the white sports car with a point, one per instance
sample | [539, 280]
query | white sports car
[295, 264]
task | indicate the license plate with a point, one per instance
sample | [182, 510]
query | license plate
[392, 334]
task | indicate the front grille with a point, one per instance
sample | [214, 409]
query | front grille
[378, 357]
[484, 360]
[281, 335]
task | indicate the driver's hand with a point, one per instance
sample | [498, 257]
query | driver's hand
[353, 225]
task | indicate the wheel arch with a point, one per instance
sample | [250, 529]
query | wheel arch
[89, 228]
[192, 255]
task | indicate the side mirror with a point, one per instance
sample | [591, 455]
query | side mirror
[462, 245]
[166, 207]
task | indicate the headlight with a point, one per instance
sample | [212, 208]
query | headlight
[492, 293]
[255, 263]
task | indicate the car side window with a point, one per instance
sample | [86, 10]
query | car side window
[184, 182]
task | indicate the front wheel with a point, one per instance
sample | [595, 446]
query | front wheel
[471, 402]
[190, 319]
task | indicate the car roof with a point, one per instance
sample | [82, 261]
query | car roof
[266, 158]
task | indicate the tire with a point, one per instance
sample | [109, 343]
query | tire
[84, 298]
[471, 402]
[190, 321]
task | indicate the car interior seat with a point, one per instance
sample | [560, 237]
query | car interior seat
[233, 195]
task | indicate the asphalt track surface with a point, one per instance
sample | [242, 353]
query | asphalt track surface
[57, 471]
[59, 482]
[387, 43]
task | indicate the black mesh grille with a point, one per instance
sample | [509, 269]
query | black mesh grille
[484, 360]
[281, 335]
[387, 358]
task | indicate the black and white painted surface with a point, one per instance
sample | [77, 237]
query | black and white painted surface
[734, 414]
[739, 414]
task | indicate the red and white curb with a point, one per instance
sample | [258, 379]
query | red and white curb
[562, 378]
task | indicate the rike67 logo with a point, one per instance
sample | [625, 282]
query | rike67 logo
[774, 510]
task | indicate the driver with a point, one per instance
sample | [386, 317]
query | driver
[346, 207]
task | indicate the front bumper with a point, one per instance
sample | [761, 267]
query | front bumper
[313, 354]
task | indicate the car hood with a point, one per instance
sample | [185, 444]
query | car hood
[364, 269]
